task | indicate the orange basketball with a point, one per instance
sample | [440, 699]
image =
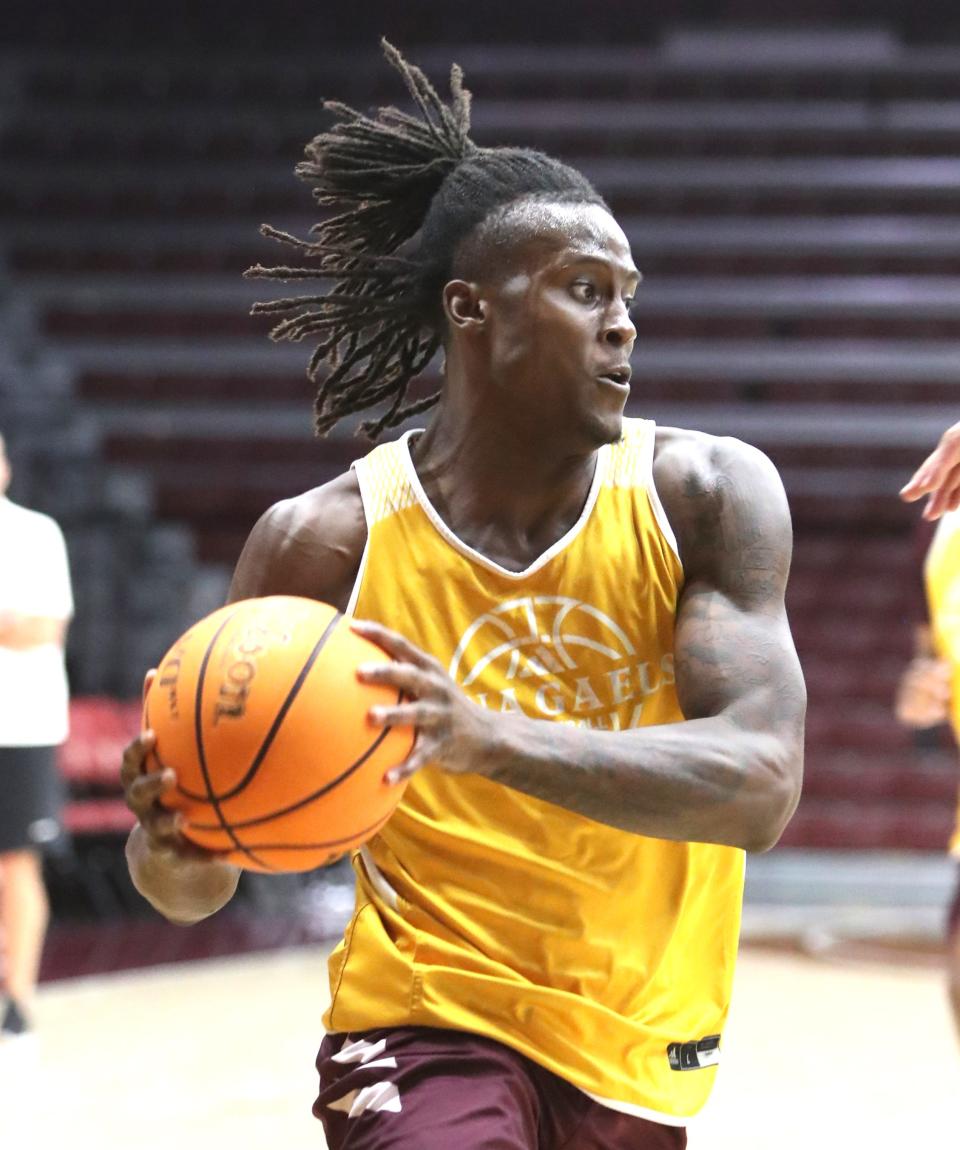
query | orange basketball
[259, 711]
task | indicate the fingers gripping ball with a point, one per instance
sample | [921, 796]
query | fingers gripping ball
[258, 710]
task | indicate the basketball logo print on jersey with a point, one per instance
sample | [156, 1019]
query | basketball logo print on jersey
[552, 657]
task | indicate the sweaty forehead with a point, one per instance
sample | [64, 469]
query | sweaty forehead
[533, 233]
[574, 229]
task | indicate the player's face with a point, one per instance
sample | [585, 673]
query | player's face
[561, 334]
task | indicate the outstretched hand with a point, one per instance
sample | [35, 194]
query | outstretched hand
[938, 477]
[452, 732]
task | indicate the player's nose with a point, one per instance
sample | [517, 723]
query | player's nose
[618, 328]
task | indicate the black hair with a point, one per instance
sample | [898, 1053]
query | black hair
[388, 181]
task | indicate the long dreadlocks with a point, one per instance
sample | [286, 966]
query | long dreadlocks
[385, 181]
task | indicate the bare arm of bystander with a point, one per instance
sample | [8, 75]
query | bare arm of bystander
[21, 632]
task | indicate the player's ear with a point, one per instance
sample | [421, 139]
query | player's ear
[464, 305]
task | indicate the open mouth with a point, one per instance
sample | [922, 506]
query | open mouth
[618, 376]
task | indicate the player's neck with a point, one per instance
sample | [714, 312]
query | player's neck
[495, 486]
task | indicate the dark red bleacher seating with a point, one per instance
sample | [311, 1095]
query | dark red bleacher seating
[851, 599]
[98, 817]
[89, 761]
[857, 825]
[165, 386]
[99, 727]
[898, 775]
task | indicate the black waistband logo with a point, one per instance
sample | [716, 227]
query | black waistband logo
[696, 1055]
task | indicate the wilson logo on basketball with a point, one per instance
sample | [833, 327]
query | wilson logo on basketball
[169, 678]
[239, 664]
[547, 656]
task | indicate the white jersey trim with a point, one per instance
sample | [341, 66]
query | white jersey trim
[377, 880]
[477, 557]
[640, 1111]
[659, 514]
[365, 498]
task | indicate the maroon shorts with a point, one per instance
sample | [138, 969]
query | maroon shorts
[420, 1088]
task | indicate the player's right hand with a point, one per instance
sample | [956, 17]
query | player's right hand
[181, 881]
[924, 694]
[142, 790]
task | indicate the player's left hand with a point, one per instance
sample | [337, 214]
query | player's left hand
[452, 731]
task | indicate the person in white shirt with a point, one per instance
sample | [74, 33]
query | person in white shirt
[36, 604]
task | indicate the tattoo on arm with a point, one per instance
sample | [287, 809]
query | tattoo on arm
[731, 772]
[734, 652]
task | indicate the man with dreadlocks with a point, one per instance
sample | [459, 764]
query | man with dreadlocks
[586, 617]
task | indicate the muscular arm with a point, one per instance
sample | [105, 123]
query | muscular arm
[307, 546]
[731, 773]
[728, 774]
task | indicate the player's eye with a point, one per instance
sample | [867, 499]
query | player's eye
[585, 291]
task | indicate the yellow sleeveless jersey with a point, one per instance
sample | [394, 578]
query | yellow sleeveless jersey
[604, 956]
[942, 576]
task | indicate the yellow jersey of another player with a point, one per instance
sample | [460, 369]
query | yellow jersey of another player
[942, 576]
[606, 957]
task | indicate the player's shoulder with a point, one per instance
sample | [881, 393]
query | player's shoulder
[680, 451]
[705, 481]
[696, 466]
[330, 513]
[309, 544]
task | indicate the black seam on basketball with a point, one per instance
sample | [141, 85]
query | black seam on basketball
[282, 713]
[332, 785]
[370, 830]
[196, 796]
[201, 756]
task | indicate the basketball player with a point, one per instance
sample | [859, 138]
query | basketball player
[927, 695]
[36, 603]
[587, 618]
